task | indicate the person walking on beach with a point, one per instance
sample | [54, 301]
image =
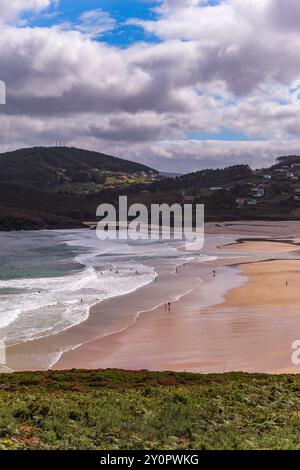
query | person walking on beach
[286, 284]
[169, 306]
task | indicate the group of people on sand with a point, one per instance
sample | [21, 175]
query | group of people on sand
[168, 304]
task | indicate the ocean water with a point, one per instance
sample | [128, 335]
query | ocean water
[49, 280]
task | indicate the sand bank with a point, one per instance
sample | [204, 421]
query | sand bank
[251, 329]
[245, 318]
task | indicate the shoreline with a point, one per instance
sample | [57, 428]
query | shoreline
[117, 352]
[132, 322]
[167, 341]
[83, 354]
[29, 354]
[88, 345]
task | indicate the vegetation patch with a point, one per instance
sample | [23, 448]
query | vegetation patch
[113, 409]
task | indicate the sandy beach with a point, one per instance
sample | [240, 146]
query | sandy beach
[251, 329]
[244, 318]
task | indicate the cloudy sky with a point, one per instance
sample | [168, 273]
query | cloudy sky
[177, 84]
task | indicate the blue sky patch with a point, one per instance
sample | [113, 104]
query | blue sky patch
[224, 134]
[122, 35]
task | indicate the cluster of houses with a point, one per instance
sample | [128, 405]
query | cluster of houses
[151, 175]
[257, 192]
[290, 173]
[287, 176]
[287, 173]
[245, 201]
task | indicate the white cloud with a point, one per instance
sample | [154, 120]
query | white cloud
[228, 66]
[11, 9]
[95, 22]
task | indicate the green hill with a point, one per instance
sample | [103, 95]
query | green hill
[213, 177]
[62, 168]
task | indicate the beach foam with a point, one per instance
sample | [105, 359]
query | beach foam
[34, 307]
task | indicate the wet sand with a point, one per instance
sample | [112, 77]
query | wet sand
[112, 315]
[262, 247]
[255, 228]
[251, 329]
[245, 318]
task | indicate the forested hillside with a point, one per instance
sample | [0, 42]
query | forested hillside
[54, 167]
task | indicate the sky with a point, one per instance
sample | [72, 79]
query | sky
[179, 85]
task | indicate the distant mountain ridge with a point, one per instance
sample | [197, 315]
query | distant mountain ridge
[237, 192]
[46, 167]
[170, 174]
[217, 176]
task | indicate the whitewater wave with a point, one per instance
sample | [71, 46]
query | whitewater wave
[35, 307]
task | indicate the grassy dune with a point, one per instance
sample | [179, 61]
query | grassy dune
[145, 410]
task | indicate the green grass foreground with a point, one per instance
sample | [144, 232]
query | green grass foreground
[114, 409]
